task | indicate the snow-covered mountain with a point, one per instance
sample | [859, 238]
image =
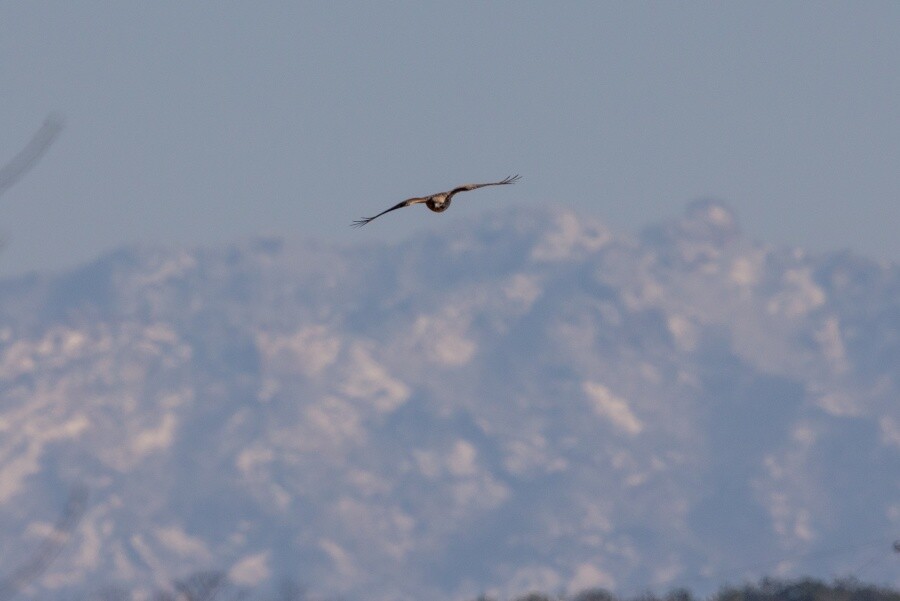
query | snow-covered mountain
[527, 402]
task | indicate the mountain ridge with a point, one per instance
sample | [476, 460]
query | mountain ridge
[525, 401]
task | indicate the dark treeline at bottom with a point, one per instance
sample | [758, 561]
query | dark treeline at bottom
[214, 586]
[766, 590]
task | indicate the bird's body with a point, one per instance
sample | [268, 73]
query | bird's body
[439, 202]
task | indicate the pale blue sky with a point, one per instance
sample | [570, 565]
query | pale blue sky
[197, 123]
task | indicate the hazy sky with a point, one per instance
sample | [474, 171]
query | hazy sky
[196, 123]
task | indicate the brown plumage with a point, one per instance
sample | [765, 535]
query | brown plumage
[436, 202]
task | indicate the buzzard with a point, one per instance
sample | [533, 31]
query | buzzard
[437, 202]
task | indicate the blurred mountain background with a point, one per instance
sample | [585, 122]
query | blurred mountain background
[523, 401]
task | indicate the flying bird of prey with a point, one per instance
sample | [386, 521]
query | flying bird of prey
[437, 202]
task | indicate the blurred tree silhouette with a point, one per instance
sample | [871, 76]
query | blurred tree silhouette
[49, 548]
[805, 589]
[29, 156]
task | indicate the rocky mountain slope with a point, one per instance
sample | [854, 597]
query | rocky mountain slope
[527, 402]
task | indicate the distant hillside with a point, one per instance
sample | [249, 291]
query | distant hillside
[531, 402]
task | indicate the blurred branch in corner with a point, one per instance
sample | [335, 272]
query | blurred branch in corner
[32, 568]
[23, 162]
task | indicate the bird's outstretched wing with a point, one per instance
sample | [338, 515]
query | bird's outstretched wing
[400, 205]
[465, 188]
